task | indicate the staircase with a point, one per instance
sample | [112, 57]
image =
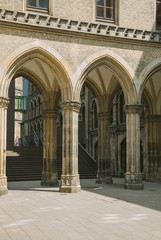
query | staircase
[25, 163]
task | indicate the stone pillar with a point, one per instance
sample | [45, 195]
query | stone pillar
[70, 178]
[50, 174]
[104, 152]
[133, 177]
[3, 126]
[153, 141]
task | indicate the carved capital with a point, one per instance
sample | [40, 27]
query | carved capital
[4, 102]
[133, 109]
[104, 116]
[49, 114]
[70, 106]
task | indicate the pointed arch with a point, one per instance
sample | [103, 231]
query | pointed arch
[51, 59]
[147, 72]
[121, 69]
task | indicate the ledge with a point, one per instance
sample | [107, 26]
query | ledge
[97, 29]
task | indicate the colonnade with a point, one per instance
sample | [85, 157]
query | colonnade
[70, 177]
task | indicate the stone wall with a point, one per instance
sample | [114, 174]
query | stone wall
[16, 5]
[137, 14]
[74, 9]
[75, 50]
[131, 14]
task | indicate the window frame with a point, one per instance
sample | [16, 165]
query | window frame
[37, 8]
[113, 20]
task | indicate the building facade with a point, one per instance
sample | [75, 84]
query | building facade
[59, 45]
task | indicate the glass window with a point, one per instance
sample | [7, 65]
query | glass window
[105, 9]
[41, 4]
[158, 15]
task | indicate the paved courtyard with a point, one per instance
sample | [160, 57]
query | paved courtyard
[98, 212]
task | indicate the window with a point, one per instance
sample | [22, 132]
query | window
[158, 15]
[40, 4]
[105, 10]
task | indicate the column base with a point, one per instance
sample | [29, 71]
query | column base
[133, 181]
[153, 176]
[103, 178]
[3, 186]
[70, 184]
[49, 179]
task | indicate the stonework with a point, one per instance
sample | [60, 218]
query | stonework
[60, 53]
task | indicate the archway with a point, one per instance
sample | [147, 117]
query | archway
[104, 73]
[50, 76]
[150, 91]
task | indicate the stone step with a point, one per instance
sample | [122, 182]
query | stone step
[25, 163]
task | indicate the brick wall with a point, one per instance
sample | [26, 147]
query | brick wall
[131, 13]
[137, 14]
[12, 4]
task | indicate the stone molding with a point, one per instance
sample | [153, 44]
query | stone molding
[49, 114]
[70, 106]
[103, 116]
[133, 109]
[100, 29]
[4, 102]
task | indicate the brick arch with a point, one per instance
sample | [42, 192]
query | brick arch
[123, 71]
[50, 56]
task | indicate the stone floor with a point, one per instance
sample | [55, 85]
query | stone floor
[98, 212]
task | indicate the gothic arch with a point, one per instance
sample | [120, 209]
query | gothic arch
[46, 58]
[117, 65]
[147, 72]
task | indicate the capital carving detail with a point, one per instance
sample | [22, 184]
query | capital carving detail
[49, 114]
[4, 102]
[70, 106]
[133, 109]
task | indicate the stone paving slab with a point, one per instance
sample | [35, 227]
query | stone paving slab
[98, 212]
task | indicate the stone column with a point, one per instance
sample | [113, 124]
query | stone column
[153, 141]
[50, 174]
[104, 152]
[133, 177]
[70, 178]
[3, 130]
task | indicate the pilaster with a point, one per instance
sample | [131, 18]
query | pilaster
[133, 177]
[104, 152]
[70, 178]
[50, 174]
[3, 126]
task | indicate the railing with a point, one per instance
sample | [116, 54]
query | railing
[36, 139]
[41, 136]
[24, 142]
[87, 157]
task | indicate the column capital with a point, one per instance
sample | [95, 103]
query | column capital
[70, 106]
[49, 114]
[103, 116]
[133, 109]
[4, 102]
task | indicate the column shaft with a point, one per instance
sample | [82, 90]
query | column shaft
[3, 132]
[153, 124]
[133, 177]
[49, 174]
[70, 177]
[104, 153]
